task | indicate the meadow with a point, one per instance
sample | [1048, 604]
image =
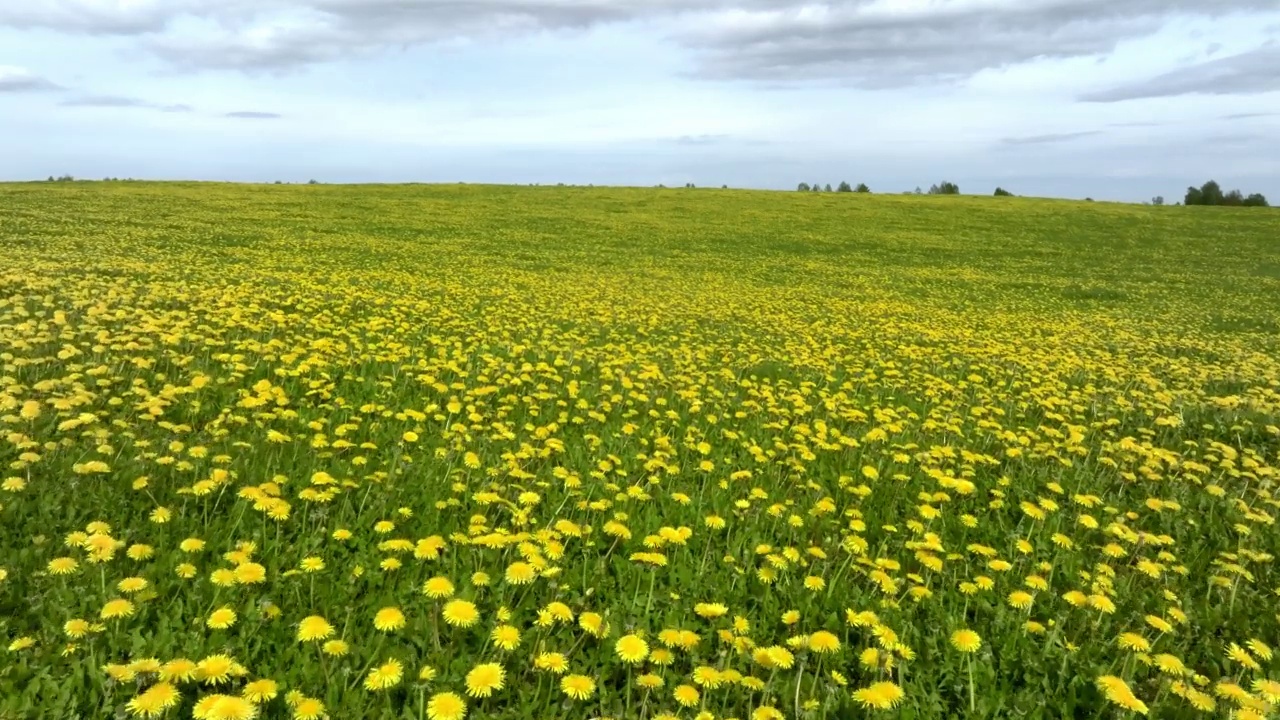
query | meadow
[515, 453]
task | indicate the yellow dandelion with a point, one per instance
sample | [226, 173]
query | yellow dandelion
[460, 613]
[446, 706]
[117, 608]
[879, 696]
[966, 641]
[484, 679]
[505, 637]
[578, 687]
[385, 676]
[154, 701]
[686, 695]
[389, 619]
[314, 627]
[631, 649]
[438, 588]
[824, 642]
[221, 619]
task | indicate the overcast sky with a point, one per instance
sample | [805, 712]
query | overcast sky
[1121, 99]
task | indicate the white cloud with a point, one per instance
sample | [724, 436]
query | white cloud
[15, 79]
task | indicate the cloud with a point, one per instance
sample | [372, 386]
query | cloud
[119, 101]
[865, 43]
[254, 115]
[98, 17]
[1236, 139]
[1247, 115]
[1256, 71]
[112, 101]
[16, 80]
[1049, 138]
[701, 139]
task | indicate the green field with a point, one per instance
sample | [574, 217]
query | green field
[634, 453]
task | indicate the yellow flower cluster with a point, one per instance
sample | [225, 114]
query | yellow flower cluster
[466, 452]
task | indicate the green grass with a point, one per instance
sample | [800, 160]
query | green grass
[883, 390]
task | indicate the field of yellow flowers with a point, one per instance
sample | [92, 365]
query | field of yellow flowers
[520, 453]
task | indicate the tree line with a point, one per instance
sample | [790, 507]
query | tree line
[943, 188]
[1211, 194]
[1208, 194]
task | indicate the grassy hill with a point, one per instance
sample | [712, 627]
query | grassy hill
[774, 453]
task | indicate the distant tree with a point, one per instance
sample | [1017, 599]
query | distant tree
[312, 182]
[1157, 200]
[816, 187]
[844, 187]
[803, 187]
[862, 188]
[724, 187]
[1088, 199]
[827, 188]
[945, 188]
[1211, 193]
[1001, 192]
[51, 179]
[918, 191]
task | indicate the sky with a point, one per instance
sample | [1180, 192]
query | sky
[1112, 99]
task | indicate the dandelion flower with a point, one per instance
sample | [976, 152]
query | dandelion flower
[154, 701]
[260, 691]
[879, 696]
[1116, 690]
[117, 608]
[578, 687]
[224, 707]
[314, 627]
[63, 566]
[250, 573]
[966, 641]
[552, 662]
[388, 619]
[215, 669]
[824, 642]
[308, 709]
[631, 649]
[686, 695]
[178, 670]
[438, 588]
[1240, 655]
[1020, 599]
[446, 706]
[1133, 641]
[710, 610]
[461, 613]
[484, 679]
[506, 637]
[221, 619]
[520, 573]
[386, 675]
